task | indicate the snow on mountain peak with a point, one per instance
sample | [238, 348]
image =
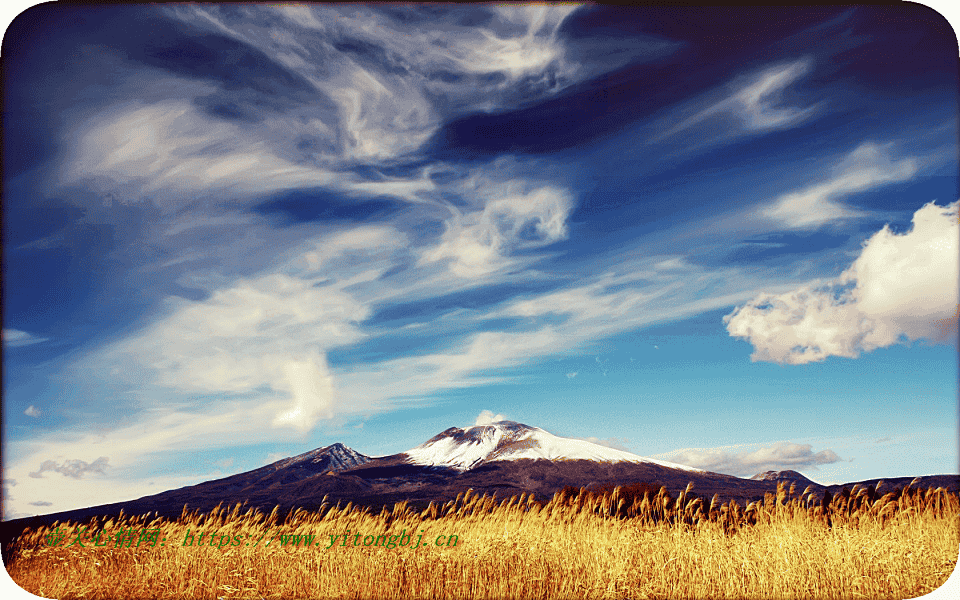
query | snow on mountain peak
[464, 449]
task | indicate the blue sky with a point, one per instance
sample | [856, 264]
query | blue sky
[234, 233]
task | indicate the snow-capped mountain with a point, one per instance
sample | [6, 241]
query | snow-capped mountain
[505, 458]
[465, 449]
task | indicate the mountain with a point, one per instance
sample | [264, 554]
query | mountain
[465, 449]
[787, 477]
[505, 458]
[333, 458]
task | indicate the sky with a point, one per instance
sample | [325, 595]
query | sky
[726, 238]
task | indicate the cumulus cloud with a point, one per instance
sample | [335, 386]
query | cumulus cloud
[867, 167]
[901, 287]
[776, 457]
[486, 417]
[75, 469]
[14, 338]
[32, 411]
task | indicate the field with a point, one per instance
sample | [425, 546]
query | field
[627, 542]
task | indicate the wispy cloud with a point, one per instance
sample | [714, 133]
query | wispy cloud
[902, 286]
[749, 104]
[867, 167]
[14, 338]
[169, 151]
[513, 218]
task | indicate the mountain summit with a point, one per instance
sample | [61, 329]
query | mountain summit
[787, 476]
[335, 457]
[466, 449]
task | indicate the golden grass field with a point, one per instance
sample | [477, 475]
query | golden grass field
[621, 544]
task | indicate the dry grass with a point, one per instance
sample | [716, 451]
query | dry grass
[578, 545]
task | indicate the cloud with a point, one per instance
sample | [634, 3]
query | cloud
[314, 395]
[265, 335]
[14, 338]
[486, 417]
[867, 167]
[571, 375]
[136, 151]
[776, 457]
[505, 55]
[515, 217]
[75, 469]
[752, 102]
[382, 87]
[902, 286]
[32, 411]
[758, 102]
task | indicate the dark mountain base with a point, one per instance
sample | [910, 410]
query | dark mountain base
[382, 482]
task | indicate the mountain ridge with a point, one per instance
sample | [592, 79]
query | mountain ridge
[339, 474]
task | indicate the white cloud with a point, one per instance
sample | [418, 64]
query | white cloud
[32, 411]
[137, 151]
[531, 52]
[776, 457]
[514, 218]
[867, 167]
[314, 395]
[266, 335]
[14, 338]
[901, 286]
[753, 101]
[571, 375]
[521, 42]
[486, 417]
[384, 77]
[758, 101]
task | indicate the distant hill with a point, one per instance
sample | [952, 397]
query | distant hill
[787, 477]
